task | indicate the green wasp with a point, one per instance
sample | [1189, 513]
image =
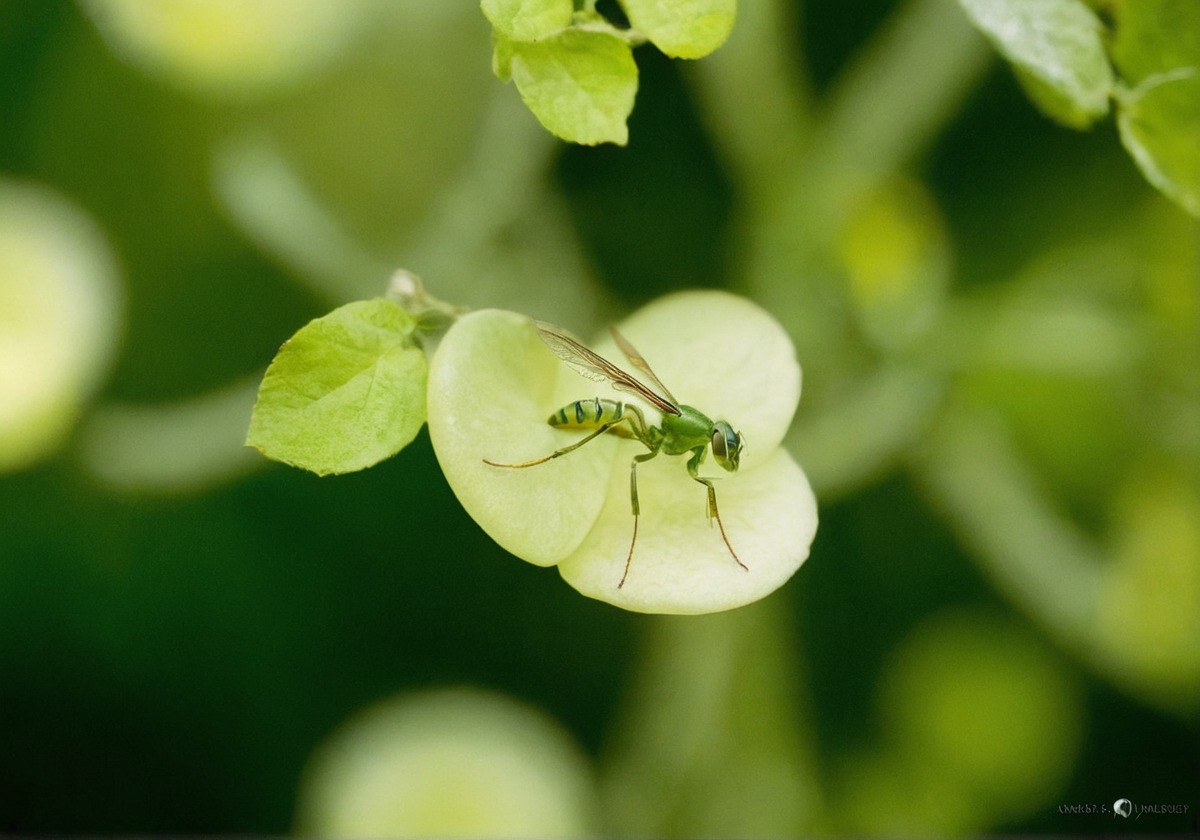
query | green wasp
[683, 429]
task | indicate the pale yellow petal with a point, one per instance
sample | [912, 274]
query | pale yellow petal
[680, 562]
[492, 386]
[723, 355]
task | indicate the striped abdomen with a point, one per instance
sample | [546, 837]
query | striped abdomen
[590, 414]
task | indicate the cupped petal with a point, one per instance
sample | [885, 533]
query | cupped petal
[492, 386]
[680, 563]
[724, 356]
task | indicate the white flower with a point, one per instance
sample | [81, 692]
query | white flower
[493, 384]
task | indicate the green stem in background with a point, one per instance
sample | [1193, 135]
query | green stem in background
[498, 222]
[489, 191]
[907, 83]
[478, 238]
[845, 445]
[178, 447]
[1032, 553]
[894, 98]
[1086, 593]
[271, 204]
[482, 228]
[712, 737]
[759, 58]
[798, 192]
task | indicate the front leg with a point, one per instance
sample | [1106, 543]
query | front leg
[693, 468]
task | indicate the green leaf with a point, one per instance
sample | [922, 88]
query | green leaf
[1056, 48]
[579, 84]
[1155, 36]
[683, 28]
[527, 20]
[343, 393]
[1157, 50]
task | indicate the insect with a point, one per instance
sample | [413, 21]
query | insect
[683, 429]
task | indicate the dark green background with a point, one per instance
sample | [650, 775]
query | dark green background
[168, 664]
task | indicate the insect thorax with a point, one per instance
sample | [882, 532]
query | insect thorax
[685, 431]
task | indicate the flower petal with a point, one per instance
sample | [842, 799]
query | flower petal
[680, 564]
[723, 355]
[492, 385]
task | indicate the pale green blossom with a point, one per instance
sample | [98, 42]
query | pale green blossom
[492, 386]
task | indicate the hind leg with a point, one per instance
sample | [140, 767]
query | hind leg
[556, 453]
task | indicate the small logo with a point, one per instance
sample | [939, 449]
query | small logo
[1123, 807]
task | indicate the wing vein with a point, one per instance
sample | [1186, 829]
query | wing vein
[592, 365]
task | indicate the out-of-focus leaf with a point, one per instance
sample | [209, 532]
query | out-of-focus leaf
[1056, 49]
[1155, 36]
[683, 28]
[1161, 131]
[1157, 49]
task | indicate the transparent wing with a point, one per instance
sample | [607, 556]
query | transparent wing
[639, 362]
[597, 368]
[573, 353]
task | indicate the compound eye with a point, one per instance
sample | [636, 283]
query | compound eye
[719, 449]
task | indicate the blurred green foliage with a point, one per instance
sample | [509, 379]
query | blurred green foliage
[998, 319]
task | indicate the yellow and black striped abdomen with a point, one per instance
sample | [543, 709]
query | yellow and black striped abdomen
[590, 414]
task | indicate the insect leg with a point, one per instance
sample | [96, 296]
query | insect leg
[556, 453]
[693, 467]
[633, 502]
